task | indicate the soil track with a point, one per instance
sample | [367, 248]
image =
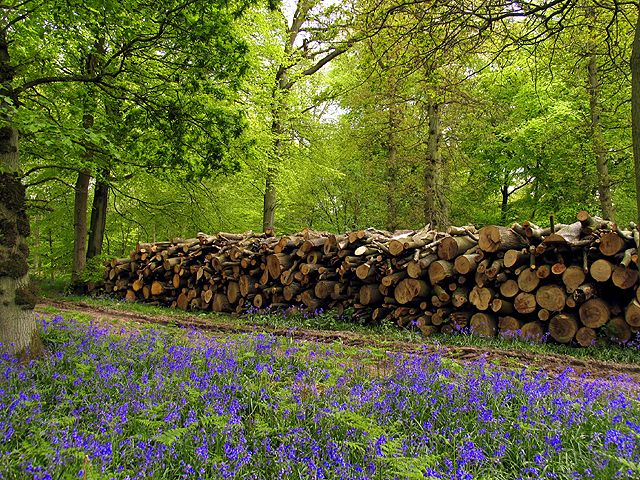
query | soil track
[514, 359]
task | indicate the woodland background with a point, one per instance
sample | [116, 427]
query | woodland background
[328, 115]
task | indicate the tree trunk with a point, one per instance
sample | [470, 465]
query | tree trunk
[277, 131]
[81, 200]
[597, 137]
[504, 205]
[435, 206]
[98, 221]
[18, 328]
[635, 109]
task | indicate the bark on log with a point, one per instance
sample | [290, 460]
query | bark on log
[451, 247]
[493, 238]
[439, 271]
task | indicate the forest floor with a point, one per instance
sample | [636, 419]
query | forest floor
[512, 358]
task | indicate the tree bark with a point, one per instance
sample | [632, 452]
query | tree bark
[98, 221]
[81, 201]
[435, 205]
[635, 109]
[18, 328]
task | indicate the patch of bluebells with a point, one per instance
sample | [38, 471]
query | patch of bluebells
[133, 405]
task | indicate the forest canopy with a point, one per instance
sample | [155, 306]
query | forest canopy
[143, 121]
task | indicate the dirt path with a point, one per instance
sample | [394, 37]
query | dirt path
[514, 359]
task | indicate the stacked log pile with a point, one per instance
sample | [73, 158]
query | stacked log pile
[570, 283]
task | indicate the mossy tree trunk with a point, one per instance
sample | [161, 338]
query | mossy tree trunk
[18, 328]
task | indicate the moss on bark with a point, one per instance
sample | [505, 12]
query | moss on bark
[12, 192]
[8, 233]
[13, 264]
[27, 296]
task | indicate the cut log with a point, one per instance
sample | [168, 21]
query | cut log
[618, 330]
[393, 279]
[563, 327]
[551, 297]
[525, 303]
[452, 247]
[157, 288]
[586, 337]
[509, 326]
[515, 258]
[509, 288]
[544, 314]
[624, 277]
[611, 243]
[528, 281]
[221, 303]
[207, 296]
[573, 277]
[247, 285]
[182, 302]
[594, 313]
[501, 307]
[424, 324]
[532, 331]
[418, 268]
[439, 271]
[493, 238]
[584, 293]
[233, 292]
[459, 297]
[567, 235]
[441, 315]
[324, 289]
[370, 294]
[483, 324]
[410, 289]
[465, 264]
[366, 272]
[632, 314]
[601, 270]
[481, 297]
[543, 271]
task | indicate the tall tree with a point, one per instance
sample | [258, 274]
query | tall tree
[315, 35]
[38, 41]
